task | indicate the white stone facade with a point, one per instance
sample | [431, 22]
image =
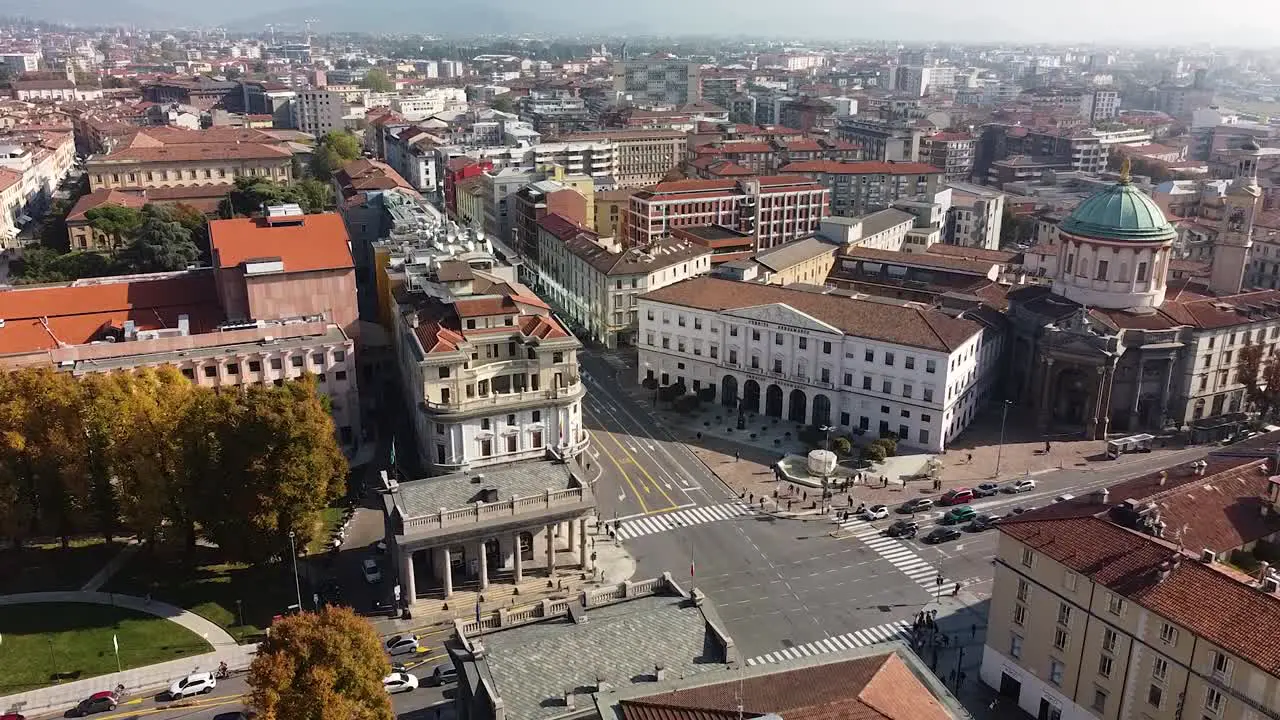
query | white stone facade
[1112, 274]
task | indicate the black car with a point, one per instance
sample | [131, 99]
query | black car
[916, 505]
[903, 528]
[941, 534]
[982, 522]
[98, 702]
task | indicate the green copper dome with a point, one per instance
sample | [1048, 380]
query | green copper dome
[1120, 212]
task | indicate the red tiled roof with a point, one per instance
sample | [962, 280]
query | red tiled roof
[364, 174]
[79, 313]
[193, 152]
[101, 197]
[867, 167]
[319, 242]
[949, 137]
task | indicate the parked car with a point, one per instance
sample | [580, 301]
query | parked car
[958, 496]
[104, 701]
[1064, 497]
[1020, 486]
[957, 515]
[400, 644]
[372, 573]
[876, 512]
[12, 716]
[398, 682]
[444, 675]
[193, 684]
[903, 528]
[982, 522]
[986, 489]
[941, 534]
[916, 505]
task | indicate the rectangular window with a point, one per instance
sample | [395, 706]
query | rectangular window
[1055, 672]
[1142, 272]
[826, 348]
[1168, 634]
[666, 343]
[1015, 646]
[1099, 700]
[1221, 666]
[733, 331]
[680, 320]
[906, 390]
[1024, 590]
[1028, 557]
[755, 335]
[924, 436]
[888, 359]
[866, 382]
[276, 364]
[1105, 664]
[1060, 638]
[486, 448]
[317, 359]
[715, 352]
[296, 361]
[930, 366]
[1160, 668]
[1019, 614]
[1102, 270]
[210, 371]
[869, 356]
[886, 387]
[1155, 696]
[511, 443]
[848, 379]
[777, 338]
[1109, 638]
[697, 323]
[928, 394]
[1064, 614]
[255, 366]
[804, 343]
[1115, 604]
[1069, 581]
[909, 362]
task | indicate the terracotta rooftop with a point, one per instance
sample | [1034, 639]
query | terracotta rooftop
[363, 175]
[911, 325]
[930, 260]
[677, 187]
[880, 687]
[867, 167]
[319, 242]
[960, 251]
[193, 152]
[78, 313]
[98, 198]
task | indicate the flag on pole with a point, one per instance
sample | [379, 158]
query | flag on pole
[393, 452]
[690, 568]
[115, 643]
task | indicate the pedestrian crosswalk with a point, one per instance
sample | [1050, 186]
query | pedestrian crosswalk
[650, 524]
[900, 555]
[871, 636]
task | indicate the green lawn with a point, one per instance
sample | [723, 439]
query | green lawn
[330, 518]
[68, 641]
[211, 588]
[47, 566]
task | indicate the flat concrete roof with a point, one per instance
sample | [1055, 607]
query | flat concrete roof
[417, 498]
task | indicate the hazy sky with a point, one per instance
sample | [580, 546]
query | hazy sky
[1162, 22]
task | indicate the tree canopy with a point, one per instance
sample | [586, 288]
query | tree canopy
[335, 149]
[117, 222]
[376, 79]
[148, 453]
[326, 665]
[250, 194]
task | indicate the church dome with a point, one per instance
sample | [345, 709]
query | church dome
[1120, 212]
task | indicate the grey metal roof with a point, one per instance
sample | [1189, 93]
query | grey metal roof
[795, 252]
[520, 479]
[878, 222]
[533, 665]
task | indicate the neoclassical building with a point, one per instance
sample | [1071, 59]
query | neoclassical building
[1112, 345]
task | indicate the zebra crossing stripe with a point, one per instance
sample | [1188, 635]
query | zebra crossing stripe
[650, 524]
[860, 638]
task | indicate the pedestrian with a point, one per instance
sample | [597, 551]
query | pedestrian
[969, 457]
[956, 590]
[850, 501]
[804, 496]
[973, 631]
[751, 497]
[736, 455]
[1046, 447]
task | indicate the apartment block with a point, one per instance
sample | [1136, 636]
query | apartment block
[658, 80]
[952, 152]
[596, 281]
[859, 188]
[775, 209]
[1120, 604]
[641, 157]
[975, 217]
[821, 359]
[318, 112]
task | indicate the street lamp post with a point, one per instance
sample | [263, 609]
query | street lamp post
[1004, 414]
[297, 586]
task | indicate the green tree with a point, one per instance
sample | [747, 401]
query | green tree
[376, 79]
[335, 149]
[249, 195]
[503, 103]
[53, 234]
[1249, 373]
[1269, 397]
[161, 245]
[115, 221]
[232, 73]
[326, 665]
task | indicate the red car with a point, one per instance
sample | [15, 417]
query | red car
[12, 716]
[958, 496]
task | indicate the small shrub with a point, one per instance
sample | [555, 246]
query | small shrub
[873, 453]
[842, 445]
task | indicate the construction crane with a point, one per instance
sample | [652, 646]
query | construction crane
[307, 24]
[272, 29]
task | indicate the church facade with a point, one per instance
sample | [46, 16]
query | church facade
[1112, 345]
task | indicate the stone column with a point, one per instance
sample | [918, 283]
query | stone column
[518, 559]
[1108, 386]
[1164, 397]
[1043, 409]
[1134, 417]
[446, 571]
[551, 550]
[573, 536]
[484, 566]
[1095, 419]
[584, 555]
[408, 585]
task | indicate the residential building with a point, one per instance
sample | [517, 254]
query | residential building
[278, 303]
[533, 202]
[595, 282]
[859, 188]
[317, 112]
[883, 140]
[83, 237]
[658, 80]
[640, 157]
[952, 152]
[807, 260]
[775, 209]
[1122, 603]
[822, 359]
[172, 157]
[199, 91]
[426, 103]
[61, 90]
[611, 212]
[881, 230]
[456, 170]
[597, 158]
[18, 62]
[975, 217]
[1086, 150]
[412, 152]
[491, 374]
[923, 277]
[33, 164]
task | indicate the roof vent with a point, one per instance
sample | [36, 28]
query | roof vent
[479, 478]
[1271, 585]
[1208, 556]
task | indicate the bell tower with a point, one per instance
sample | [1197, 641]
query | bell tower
[1235, 230]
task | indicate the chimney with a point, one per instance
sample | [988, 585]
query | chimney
[1264, 570]
[568, 698]
[602, 685]
[1164, 476]
[413, 320]
[184, 324]
[659, 673]
[1103, 496]
[1208, 556]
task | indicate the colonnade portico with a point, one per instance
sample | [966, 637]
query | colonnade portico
[485, 539]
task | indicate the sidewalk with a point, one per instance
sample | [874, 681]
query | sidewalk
[113, 566]
[210, 631]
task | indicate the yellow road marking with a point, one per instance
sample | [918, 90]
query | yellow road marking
[625, 476]
[646, 472]
[211, 702]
